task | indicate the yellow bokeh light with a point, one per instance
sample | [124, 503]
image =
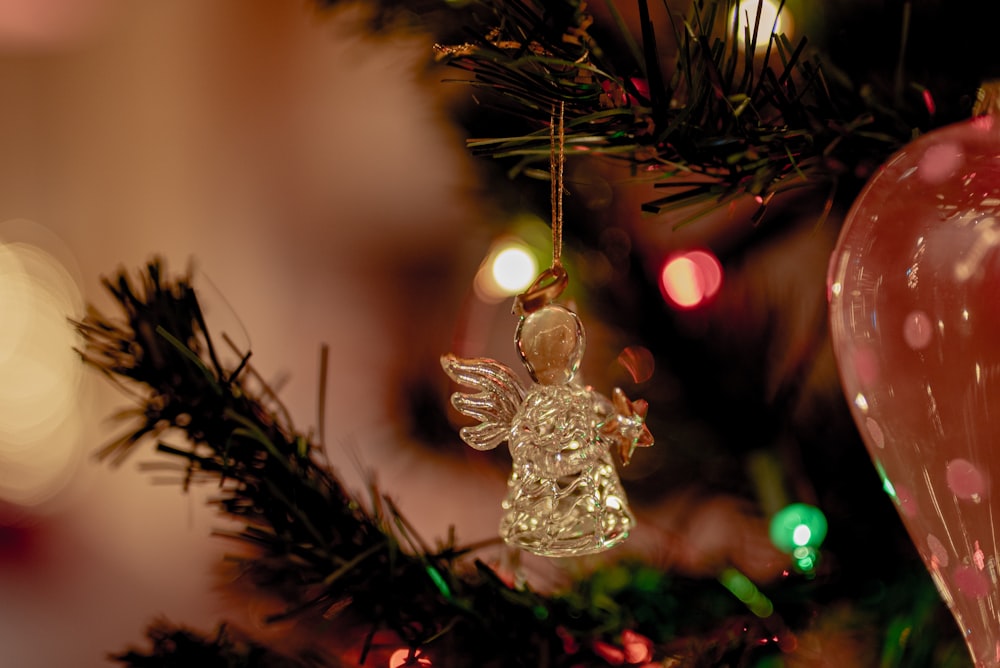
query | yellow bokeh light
[509, 269]
[40, 373]
[770, 21]
[514, 268]
[680, 280]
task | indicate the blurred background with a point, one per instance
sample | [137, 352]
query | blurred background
[306, 169]
[312, 172]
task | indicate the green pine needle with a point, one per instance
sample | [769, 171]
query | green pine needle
[749, 127]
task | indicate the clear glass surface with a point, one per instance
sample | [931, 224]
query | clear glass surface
[914, 289]
[564, 496]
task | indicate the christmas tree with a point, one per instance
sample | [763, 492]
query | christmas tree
[690, 169]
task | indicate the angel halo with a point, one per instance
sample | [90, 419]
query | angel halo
[564, 496]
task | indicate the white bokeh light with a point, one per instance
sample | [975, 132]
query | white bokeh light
[514, 268]
[509, 268]
[770, 20]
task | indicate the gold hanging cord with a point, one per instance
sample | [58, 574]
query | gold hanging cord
[551, 282]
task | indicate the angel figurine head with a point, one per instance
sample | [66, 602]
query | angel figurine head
[550, 342]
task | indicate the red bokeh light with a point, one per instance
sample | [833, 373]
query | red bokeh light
[929, 102]
[690, 278]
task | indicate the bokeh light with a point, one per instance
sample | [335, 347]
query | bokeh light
[770, 21]
[740, 586]
[639, 363]
[39, 371]
[798, 526]
[799, 530]
[691, 278]
[514, 268]
[509, 268]
[805, 558]
[404, 657]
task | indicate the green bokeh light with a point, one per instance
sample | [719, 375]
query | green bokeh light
[798, 526]
[439, 582]
[746, 591]
[805, 558]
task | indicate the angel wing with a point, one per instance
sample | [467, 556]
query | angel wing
[500, 395]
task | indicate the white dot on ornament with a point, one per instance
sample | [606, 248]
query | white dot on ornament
[965, 480]
[938, 550]
[940, 161]
[904, 498]
[866, 365]
[875, 432]
[861, 402]
[917, 330]
[971, 582]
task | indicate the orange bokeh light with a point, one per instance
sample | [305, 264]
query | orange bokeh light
[403, 657]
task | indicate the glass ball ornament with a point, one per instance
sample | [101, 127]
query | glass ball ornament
[914, 294]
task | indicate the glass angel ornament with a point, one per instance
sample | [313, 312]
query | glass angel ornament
[564, 497]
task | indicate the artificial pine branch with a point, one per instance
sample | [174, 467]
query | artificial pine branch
[722, 125]
[316, 545]
[177, 647]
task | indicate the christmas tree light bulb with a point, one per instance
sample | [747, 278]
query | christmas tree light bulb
[680, 280]
[40, 374]
[507, 270]
[691, 278]
[514, 268]
[771, 20]
[798, 526]
[406, 657]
